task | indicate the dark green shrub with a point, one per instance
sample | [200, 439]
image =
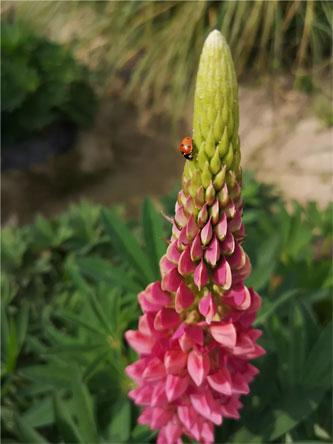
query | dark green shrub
[40, 83]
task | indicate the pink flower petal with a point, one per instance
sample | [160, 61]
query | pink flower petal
[146, 323]
[141, 395]
[173, 253]
[182, 239]
[207, 407]
[175, 231]
[175, 362]
[238, 297]
[238, 258]
[230, 408]
[189, 205]
[141, 343]
[180, 217]
[236, 221]
[153, 298]
[191, 228]
[239, 235]
[207, 307]
[230, 210]
[196, 248]
[136, 369]
[212, 253]
[198, 366]
[195, 333]
[185, 264]
[160, 417]
[154, 370]
[186, 415]
[200, 275]
[175, 386]
[207, 433]
[171, 280]
[199, 197]
[145, 417]
[222, 275]
[228, 244]
[221, 227]
[181, 200]
[179, 332]
[221, 382]
[184, 298]
[166, 266]
[158, 397]
[206, 233]
[255, 300]
[166, 318]
[203, 216]
[224, 333]
[214, 212]
[239, 384]
[170, 434]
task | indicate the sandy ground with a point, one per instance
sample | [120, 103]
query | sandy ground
[120, 162]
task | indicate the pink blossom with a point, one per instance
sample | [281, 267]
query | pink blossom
[195, 337]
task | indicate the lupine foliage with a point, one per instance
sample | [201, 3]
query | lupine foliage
[69, 293]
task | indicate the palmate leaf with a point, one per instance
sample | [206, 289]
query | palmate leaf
[67, 429]
[267, 258]
[26, 433]
[317, 371]
[83, 405]
[120, 426]
[282, 416]
[297, 344]
[269, 308]
[40, 413]
[75, 319]
[99, 269]
[127, 246]
[154, 235]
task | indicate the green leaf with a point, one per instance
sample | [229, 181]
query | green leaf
[294, 407]
[66, 426]
[54, 375]
[22, 323]
[40, 413]
[267, 257]
[84, 410]
[154, 235]
[27, 433]
[127, 246]
[297, 345]
[142, 434]
[99, 269]
[284, 415]
[78, 321]
[317, 368]
[270, 308]
[120, 425]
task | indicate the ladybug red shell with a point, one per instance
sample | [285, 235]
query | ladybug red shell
[186, 148]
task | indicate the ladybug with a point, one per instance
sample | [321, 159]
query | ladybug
[186, 148]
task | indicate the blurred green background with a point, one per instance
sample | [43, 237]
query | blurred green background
[95, 96]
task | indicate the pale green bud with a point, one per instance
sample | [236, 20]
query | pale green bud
[215, 119]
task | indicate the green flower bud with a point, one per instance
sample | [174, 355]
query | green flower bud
[215, 120]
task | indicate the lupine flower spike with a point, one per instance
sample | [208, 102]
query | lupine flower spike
[195, 337]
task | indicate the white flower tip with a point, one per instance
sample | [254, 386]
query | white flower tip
[215, 39]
